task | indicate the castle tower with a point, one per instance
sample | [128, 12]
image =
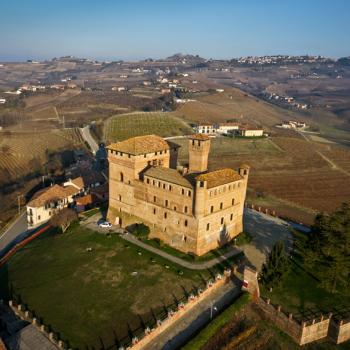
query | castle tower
[198, 150]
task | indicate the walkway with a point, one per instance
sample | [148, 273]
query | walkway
[187, 264]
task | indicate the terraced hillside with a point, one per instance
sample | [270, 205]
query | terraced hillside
[18, 150]
[164, 124]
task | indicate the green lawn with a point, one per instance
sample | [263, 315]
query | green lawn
[124, 126]
[90, 295]
[301, 293]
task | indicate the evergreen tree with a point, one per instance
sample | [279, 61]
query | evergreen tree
[276, 265]
[327, 250]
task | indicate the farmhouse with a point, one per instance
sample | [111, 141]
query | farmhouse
[250, 131]
[205, 128]
[47, 202]
[191, 209]
[226, 128]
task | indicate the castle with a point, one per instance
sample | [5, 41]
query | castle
[189, 208]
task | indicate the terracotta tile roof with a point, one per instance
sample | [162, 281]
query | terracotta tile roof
[219, 177]
[168, 175]
[79, 182]
[85, 200]
[52, 193]
[199, 137]
[140, 145]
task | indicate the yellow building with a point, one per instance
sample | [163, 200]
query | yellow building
[191, 209]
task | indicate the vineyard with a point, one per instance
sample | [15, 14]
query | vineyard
[17, 150]
[290, 169]
[128, 125]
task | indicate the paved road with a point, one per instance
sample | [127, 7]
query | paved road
[14, 233]
[190, 265]
[266, 231]
[178, 334]
[85, 133]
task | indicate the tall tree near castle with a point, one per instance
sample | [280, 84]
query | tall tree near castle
[327, 251]
[276, 265]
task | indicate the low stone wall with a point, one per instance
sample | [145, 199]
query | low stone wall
[303, 333]
[26, 315]
[283, 321]
[339, 330]
[314, 330]
[183, 309]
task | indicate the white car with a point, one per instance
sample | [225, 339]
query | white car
[105, 224]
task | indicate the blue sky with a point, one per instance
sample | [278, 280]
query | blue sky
[134, 29]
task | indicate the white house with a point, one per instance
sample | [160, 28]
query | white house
[248, 131]
[205, 129]
[47, 202]
[2, 101]
[226, 128]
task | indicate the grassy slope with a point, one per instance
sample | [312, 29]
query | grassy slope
[234, 103]
[84, 295]
[128, 125]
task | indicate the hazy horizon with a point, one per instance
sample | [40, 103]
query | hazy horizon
[135, 30]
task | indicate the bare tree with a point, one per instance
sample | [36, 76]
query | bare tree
[64, 218]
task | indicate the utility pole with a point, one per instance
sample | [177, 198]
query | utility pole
[19, 203]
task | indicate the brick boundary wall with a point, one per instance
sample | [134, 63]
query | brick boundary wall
[337, 330]
[26, 315]
[183, 309]
[20, 245]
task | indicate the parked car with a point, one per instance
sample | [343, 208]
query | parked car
[105, 224]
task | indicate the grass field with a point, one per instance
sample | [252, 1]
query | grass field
[123, 126]
[301, 293]
[105, 293]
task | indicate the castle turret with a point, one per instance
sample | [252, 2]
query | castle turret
[198, 149]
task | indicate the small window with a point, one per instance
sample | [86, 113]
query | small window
[186, 223]
[159, 183]
[201, 183]
[222, 221]
[154, 182]
[149, 162]
[164, 186]
[119, 198]
[170, 187]
[221, 205]
[147, 180]
[189, 193]
[175, 208]
[39, 217]
[208, 227]
[239, 184]
[165, 215]
[144, 156]
[154, 199]
[231, 217]
[233, 201]
[166, 202]
[185, 209]
[154, 211]
[182, 191]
